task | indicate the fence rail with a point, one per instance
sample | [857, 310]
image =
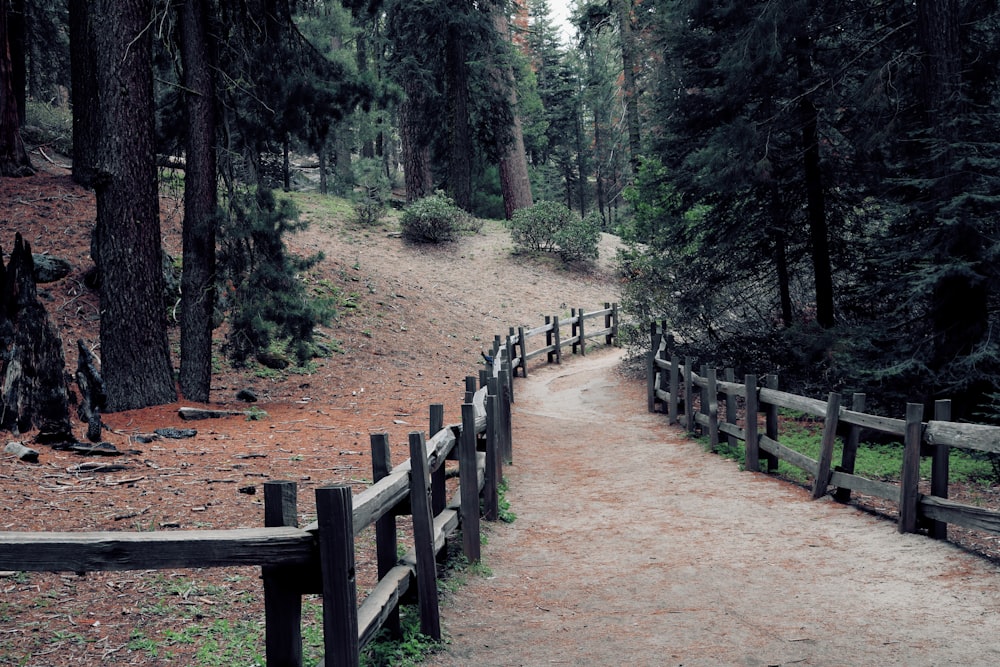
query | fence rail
[319, 558]
[673, 386]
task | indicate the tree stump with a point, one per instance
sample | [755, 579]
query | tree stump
[33, 393]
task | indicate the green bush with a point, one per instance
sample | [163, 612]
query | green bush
[551, 227]
[578, 240]
[433, 219]
[268, 303]
[371, 202]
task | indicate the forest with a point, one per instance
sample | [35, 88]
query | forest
[805, 188]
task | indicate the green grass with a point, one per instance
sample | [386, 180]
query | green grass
[879, 461]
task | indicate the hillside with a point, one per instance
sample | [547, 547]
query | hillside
[411, 326]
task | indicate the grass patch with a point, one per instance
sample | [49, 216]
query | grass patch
[879, 461]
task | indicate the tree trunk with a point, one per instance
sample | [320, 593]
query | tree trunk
[134, 347]
[324, 181]
[416, 154]
[83, 70]
[16, 33]
[460, 134]
[514, 182]
[629, 88]
[819, 235]
[13, 158]
[200, 203]
[781, 258]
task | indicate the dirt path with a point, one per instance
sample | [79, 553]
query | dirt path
[633, 546]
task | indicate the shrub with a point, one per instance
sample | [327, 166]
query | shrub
[268, 301]
[551, 227]
[578, 240]
[370, 204]
[433, 219]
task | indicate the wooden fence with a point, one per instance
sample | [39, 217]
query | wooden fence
[733, 410]
[320, 557]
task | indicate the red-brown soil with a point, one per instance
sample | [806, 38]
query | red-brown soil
[415, 323]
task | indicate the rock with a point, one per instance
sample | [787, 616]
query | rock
[176, 433]
[246, 395]
[248, 490]
[49, 269]
[20, 451]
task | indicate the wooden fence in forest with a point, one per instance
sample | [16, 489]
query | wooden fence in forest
[725, 408]
[320, 558]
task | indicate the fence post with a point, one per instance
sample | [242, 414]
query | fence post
[385, 527]
[505, 399]
[688, 395]
[550, 355]
[282, 604]
[523, 345]
[826, 447]
[583, 335]
[574, 326]
[611, 322]
[439, 496]
[752, 449]
[653, 372]
[494, 470]
[469, 484]
[334, 514]
[909, 477]
[939, 470]
[470, 389]
[558, 338]
[423, 539]
[730, 376]
[711, 407]
[675, 384]
[850, 455]
[771, 424]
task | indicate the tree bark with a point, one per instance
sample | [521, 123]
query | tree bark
[14, 159]
[200, 203]
[819, 235]
[514, 182]
[460, 134]
[17, 24]
[134, 347]
[83, 72]
[416, 154]
[629, 88]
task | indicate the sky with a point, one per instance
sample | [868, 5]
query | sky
[559, 10]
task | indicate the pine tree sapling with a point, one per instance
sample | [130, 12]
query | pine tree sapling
[268, 302]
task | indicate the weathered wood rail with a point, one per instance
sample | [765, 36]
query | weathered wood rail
[319, 558]
[726, 408]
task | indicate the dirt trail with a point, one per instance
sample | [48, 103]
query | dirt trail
[632, 546]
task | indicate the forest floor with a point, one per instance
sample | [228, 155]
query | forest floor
[412, 323]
